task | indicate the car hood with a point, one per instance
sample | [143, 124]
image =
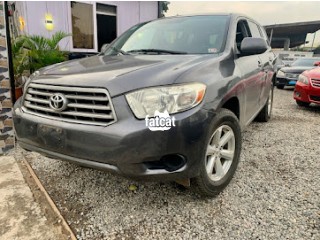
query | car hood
[313, 73]
[120, 74]
[295, 69]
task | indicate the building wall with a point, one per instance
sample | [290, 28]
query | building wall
[34, 16]
[128, 14]
[131, 13]
[6, 124]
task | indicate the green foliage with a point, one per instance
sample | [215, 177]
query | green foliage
[164, 7]
[20, 57]
[31, 53]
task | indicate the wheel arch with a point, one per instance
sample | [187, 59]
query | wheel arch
[274, 78]
[233, 105]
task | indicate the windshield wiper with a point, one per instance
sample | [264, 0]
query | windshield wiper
[159, 51]
[120, 51]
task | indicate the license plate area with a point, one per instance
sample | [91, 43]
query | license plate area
[292, 82]
[51, 137]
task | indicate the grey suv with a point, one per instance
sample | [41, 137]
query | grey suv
[213, 74]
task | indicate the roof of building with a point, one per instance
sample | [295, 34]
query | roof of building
[296, 32]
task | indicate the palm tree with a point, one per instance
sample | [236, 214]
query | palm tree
[34, 52]
[44, 51]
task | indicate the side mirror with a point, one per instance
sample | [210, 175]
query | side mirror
[252, 46]
[104, 47]
[317, 64]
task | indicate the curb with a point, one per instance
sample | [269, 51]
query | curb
[50, 201]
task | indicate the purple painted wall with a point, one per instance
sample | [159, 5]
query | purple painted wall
[128, 14]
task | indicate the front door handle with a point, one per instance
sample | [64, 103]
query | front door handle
[259, 64]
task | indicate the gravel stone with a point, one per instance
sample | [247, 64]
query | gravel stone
[275, 193]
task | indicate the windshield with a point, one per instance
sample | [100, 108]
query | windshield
[307, 62]
[181, 35]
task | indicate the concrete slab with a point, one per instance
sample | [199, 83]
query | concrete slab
[21, 217]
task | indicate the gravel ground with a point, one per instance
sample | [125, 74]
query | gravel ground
[275, 193]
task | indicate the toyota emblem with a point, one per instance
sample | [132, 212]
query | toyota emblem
[58, 102]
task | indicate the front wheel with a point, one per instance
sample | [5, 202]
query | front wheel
[222, 154]
[280, 86]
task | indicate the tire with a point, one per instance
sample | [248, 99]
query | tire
[302, 104]
[265, 113]
[280, 86]
[212, 182]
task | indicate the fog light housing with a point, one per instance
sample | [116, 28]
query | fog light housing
[170, 163]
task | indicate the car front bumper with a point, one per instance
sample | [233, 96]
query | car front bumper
[126, 147]
[286, 81]
[306, 93]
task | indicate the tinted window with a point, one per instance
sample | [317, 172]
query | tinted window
[254, 29]
[242, 32]
[193, 35]
[82, 25]
[305, 62]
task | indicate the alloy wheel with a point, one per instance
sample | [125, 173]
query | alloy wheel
[220, 153]
[270, 101]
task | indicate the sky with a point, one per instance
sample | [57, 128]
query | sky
[266, 13]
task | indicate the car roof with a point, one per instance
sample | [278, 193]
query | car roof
[231, 15]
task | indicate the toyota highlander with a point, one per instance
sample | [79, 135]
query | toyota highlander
[210, 74]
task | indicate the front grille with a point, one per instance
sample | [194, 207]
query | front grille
[315, 98]
[83, 105]
[315, 82]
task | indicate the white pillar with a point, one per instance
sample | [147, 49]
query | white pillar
[286, 44]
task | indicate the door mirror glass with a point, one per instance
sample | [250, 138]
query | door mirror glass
[252, 46]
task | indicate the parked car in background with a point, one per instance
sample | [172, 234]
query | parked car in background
[288, 76]
[280, 64]
[213, 74]
[307, 89]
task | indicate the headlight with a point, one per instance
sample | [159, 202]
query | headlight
[281, 74]
[172, 98]
[303, 79]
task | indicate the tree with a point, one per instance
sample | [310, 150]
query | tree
[34, 52]
[31, 53]
[163, 8]
[44, 51]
